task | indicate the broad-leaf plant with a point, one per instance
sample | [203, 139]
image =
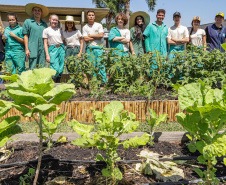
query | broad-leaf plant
[205, 116]
[111, 124]
[35, 95]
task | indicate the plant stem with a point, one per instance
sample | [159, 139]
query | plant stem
[40, 149]
[209, 168]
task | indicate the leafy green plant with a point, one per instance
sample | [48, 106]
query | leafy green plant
[205, 117]
[50, 128]
[153, 121]
[27, 177]
[35, 95]
[111, 124]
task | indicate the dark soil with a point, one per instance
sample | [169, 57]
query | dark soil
[81, 173]
[84, 95]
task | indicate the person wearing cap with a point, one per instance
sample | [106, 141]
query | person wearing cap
[178, 35]
[197, 35]
[14, 46]
[32, 30]
[138, 22]
[93, 34]
[216, 33]
[119, 37]
[72, 38]
[54, 47]
[155, 35]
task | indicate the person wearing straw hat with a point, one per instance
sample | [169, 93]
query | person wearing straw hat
[216, 33]
[32, 30]
[54, 47]
[72, 38]
[155, 35]
[93, 34]
[119, 37]
[138, 21]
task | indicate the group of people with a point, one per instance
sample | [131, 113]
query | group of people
[38, 43]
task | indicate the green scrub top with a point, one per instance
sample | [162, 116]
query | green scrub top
[10, 41]
[138, 44]
[155, 39]
[34, 31]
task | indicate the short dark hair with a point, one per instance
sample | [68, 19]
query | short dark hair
[161, 11]
[90, 11]
[14, 15]
[36, 7]
[124, 17]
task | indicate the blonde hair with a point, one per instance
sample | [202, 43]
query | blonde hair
[53, 15]
[2, 29]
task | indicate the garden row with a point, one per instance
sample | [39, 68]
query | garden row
[35, 95]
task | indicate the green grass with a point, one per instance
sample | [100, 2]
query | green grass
[32, 127]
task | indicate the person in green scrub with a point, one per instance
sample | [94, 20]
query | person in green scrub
[119, 37]
[14, 46]
[54, 47]
[72, 39]
[138, 22]
[93, 34]
[156, 35]
[32, 30]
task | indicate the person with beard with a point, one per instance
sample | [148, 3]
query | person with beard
[156, 35]
[138, 22]
[14, 46]
[119, 37]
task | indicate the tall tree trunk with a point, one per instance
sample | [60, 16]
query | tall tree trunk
[109, 20]
[127, 10]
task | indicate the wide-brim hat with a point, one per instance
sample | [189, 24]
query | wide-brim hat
[69, 18]
[145, 15]
[30, 6]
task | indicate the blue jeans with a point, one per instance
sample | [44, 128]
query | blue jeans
[2, 57]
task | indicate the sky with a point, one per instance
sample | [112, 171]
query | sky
[206, 9]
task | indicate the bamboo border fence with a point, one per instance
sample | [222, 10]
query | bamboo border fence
[80, 110]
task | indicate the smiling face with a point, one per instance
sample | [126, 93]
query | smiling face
[219, 19]
[195, 23]
[12, 21]
[139, 20]
[70, 25]
[160, 16]
[120, 21]
[37, 12]
[177, 19]
[53, 21]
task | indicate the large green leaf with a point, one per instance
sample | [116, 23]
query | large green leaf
[60, 93]
[81, 129]
[84, 142]
[8, 122]
[38, 81]
[130, 126]
[136, 141]
[5, 106]
[45, 108]
[27, 98]
[13, 77]
[112, 111]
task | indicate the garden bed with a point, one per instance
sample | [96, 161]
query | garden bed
[89, 173]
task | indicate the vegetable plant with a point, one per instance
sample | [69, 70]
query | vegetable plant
[35, 95]
[111, 124]
[153, 121]
[205, 117]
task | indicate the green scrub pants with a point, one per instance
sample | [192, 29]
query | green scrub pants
[39, 61]
[95, 55]
[71, 51]
[15, 59]
[57, 56]
[172, 51]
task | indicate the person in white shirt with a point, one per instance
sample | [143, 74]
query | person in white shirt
[72, 39]
[119, 37]
[197, 35]
[54, 47]
[177, 36]
[93, 34]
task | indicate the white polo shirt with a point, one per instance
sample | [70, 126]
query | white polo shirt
[54, 35]
[196, 37]
[126, 34]
[179, 32]
[72, 38]
[96, 28]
